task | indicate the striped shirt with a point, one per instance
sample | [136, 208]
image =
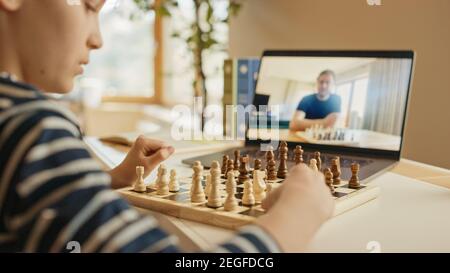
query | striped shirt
[52, 192]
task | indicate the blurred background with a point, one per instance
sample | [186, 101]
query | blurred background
[158, 54]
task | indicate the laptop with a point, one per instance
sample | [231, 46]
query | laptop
[351, 104]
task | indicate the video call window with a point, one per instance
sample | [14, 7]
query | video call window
[351, 101]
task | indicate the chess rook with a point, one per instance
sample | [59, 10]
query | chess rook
[139, 185]
[354, 180]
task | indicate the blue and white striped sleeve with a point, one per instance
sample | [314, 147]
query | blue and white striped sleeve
[60, 194]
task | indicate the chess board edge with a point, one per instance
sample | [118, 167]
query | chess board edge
[356, 199]
[231, 220]
[187, 211]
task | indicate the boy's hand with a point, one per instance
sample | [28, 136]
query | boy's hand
[297, 209]
[144, 152]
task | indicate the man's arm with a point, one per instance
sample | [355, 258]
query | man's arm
[300, 123]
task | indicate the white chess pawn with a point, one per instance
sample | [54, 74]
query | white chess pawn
[259, 186]
[139, 185]
[248, 198]
[214, 198]
[174, 186]
[154, 184]
[197, 192]
[163, 182]
[313, 164]
[231, 201]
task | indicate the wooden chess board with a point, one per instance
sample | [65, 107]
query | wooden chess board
[179, 205]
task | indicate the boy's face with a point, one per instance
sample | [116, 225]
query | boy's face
[53, 39]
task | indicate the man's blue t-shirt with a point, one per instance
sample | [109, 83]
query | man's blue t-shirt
[317, 109]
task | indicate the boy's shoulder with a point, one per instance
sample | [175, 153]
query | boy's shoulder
[17, 103]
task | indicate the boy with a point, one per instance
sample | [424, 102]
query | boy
[52, 192]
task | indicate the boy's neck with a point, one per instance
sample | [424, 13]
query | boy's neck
[9, 59]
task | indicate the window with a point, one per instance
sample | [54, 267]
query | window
[353, 95]
[124, 66]
[178, 69]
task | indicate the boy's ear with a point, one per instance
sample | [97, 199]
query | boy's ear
[11, 5]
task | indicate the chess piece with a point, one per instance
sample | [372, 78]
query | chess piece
[152, 185]
[162, 188]
[248, 198]
[230, 167]
[298, 154]
[197, 193]
[225, 159]
[318, 160]
[313, 164]
[208, 184]
[259, 186]
[257, 164]
[329, 179]
[272, 173]
[139, 185]
[269, 156]
[214, 199]
[336, 171]
[243, 169]
[237, 155]
[174, 186]
[283, 154]
[353, 183]
[231, 201]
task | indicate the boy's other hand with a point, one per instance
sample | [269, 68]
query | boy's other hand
[144, 152]
[297, 209]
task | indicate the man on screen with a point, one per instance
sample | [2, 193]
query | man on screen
[321, 108]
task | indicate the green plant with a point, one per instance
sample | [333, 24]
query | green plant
[199, 35]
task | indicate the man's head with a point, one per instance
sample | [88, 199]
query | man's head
[46, 42]
[325, 82]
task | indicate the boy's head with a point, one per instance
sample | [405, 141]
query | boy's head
[46, 42]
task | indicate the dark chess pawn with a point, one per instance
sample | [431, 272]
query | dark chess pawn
[225, 159]
[283, 154]
[230, 166]
[354, 180]
[329, 179]
[298, 154]
[257, 164]
[318, 160]
[336, 171]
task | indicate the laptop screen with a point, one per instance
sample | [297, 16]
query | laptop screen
[337, 98]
